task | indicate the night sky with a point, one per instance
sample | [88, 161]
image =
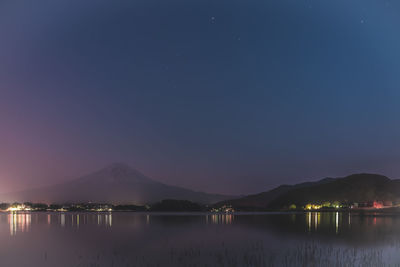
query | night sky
[221, 96]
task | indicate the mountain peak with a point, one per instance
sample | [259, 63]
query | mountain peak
[118, 172]
[118, 167]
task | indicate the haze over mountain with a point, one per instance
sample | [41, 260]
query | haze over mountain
[353, 188]
[117, 184]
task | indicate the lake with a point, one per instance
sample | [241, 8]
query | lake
[199, 239]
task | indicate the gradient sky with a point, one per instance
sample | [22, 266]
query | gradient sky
[230, 96]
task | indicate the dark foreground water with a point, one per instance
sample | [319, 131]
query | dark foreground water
[140, 239]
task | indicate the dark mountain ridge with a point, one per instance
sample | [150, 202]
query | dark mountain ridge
[262, 200]
[351, 189]
[362, 187]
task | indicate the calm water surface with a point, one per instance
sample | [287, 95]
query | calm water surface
[199, 239]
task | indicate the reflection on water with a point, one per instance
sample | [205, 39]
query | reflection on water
[337, 222]
[108, 219]
[19, 222]
[220, 218]
[62, 216]
[313, 222]
[199, 239]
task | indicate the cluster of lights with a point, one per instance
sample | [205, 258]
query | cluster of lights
[103, 209]
[313, 207]
[22, 207]
[62, 210]
[16, 208]
[318, 206]
[225, 208]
